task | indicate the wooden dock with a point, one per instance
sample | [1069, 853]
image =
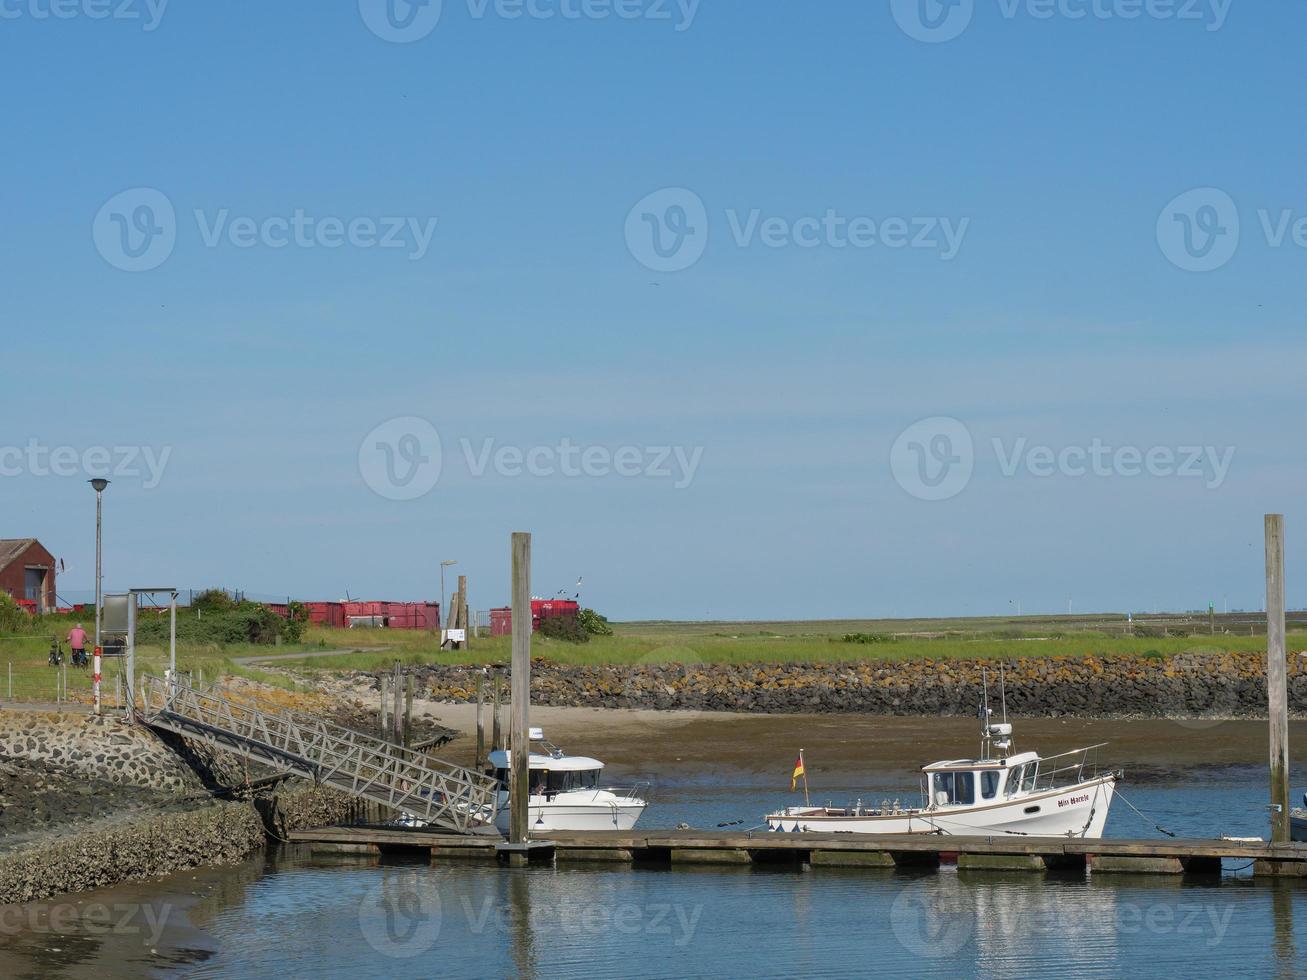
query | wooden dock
[680, 848]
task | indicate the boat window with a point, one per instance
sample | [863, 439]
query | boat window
[539, 780]
[1028, 777]
[959, 787]
[989, 783]
[570, 781]
[1014, 780]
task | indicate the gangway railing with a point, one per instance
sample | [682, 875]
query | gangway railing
[425, 789]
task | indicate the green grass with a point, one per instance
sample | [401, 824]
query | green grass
[661, 642]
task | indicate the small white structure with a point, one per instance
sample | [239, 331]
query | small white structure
[1002, 792]
[566, 793]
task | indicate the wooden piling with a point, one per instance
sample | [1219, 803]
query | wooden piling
[481, 728]
[521, 688]
[408, 710]
[397, 712]
[385, 728]
[496, 731]
[1277, 683]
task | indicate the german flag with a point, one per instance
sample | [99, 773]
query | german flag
[798, 771]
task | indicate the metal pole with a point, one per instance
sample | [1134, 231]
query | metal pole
[99, 600]
[131, 656]
[521, 687]
[1277, 683]
[172, 638]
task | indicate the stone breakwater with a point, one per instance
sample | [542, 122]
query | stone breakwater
[148, 812]
[108, 750]
[1197, 685]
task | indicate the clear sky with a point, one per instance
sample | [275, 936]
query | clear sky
[857, 308]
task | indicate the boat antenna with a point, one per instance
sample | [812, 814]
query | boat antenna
[1002, 686]
[984, 712]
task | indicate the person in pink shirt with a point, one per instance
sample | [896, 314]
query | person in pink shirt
[77, 640]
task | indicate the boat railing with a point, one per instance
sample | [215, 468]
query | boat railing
[636, 793]
[1071, 767]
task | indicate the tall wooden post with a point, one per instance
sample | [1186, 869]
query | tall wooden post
[384, 681]
[481, 728]
[408, 710]
[521, 687]
[496, 729]
[1277, 678]
[397, 712]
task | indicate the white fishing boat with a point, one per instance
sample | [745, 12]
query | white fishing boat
[1002, 792]
[566, 793]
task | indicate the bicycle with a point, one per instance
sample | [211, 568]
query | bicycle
[56, 658]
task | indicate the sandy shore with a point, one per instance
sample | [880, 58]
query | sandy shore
[645, 741]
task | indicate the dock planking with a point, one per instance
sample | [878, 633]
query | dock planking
[697, 848]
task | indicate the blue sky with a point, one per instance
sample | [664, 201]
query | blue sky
[790, 362]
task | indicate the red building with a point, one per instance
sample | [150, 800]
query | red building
[27, 572]
[501, 620]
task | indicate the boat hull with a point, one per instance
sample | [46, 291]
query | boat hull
[1079, 810]
[546, 817]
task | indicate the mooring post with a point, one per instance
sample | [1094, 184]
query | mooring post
[397, 715]
[172, 640]
[1277, 683]
[408, 710]
[519, 741]
[481, 728]
[385, 728]
[496, 728]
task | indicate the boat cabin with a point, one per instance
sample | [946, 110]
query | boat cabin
[972, 782]
[552, 772]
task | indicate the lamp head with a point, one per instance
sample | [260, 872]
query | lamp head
[99, 484]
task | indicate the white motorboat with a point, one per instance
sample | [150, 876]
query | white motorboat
[1002, 792]
[566, 793]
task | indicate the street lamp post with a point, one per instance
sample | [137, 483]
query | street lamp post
[98, 485]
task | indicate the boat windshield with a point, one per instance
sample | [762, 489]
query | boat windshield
[549, 781]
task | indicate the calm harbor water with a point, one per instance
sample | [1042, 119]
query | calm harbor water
[295, 916]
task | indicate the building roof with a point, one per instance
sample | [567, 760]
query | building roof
[11, 549]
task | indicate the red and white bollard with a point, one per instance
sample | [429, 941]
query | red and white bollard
[97, 680]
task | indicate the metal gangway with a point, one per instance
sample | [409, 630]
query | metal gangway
[427, 790]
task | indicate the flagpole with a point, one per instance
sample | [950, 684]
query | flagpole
[806, 801]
